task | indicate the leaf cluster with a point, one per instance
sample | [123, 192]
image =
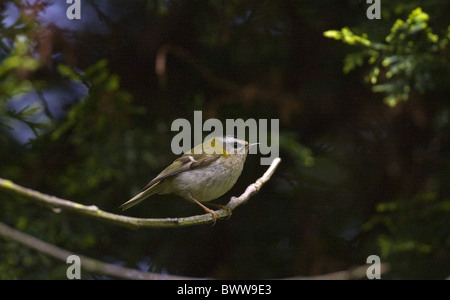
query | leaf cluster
[411, 59]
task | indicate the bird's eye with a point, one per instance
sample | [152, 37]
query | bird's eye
[235, 145]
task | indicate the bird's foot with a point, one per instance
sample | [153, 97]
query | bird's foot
[224, 207]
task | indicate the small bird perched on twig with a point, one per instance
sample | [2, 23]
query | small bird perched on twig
[200, 177]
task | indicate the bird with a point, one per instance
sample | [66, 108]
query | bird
[202, 174]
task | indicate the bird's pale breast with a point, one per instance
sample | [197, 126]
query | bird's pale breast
[210, 182]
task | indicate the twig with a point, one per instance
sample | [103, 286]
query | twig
[87, 263]
[99, 267]
[254, 187]
[58, 204]
[354, 273]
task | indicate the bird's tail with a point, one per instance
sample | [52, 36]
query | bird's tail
[139, 197]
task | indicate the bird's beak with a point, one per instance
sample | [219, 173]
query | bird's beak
[254, 144]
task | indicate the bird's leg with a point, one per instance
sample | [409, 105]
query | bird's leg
[210, 211]
[224, 207]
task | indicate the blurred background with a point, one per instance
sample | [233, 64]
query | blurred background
[86, 107]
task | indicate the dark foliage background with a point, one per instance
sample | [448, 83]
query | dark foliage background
[84, 116]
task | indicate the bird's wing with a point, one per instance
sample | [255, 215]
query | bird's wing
[182, 164]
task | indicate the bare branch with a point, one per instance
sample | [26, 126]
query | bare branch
[354, 273]
[99, 267]
[58, 204]
[87, 263]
